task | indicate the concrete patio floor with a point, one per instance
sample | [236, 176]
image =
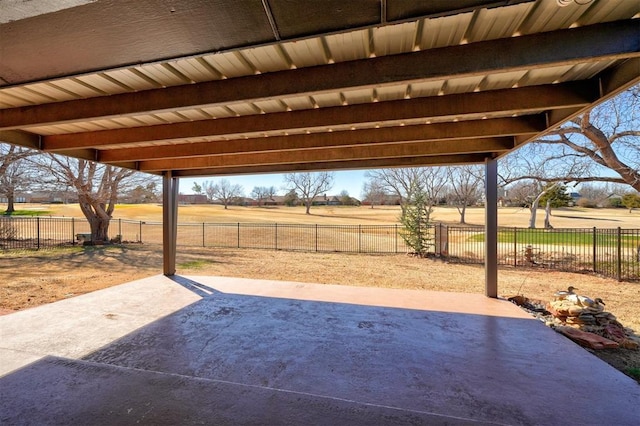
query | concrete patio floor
[214, 350]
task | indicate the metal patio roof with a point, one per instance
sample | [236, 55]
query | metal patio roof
[239, 87]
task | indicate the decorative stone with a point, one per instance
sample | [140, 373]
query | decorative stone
[586, 339]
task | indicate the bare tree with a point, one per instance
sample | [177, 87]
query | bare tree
[466, 184]
[262, 193]
[403, 183]
[309, 185]
[97, 187]
[432, 185]
[528, 193]
[140, 194]
[223, 190]
[591, 146]
[374, 192]
[15, 173]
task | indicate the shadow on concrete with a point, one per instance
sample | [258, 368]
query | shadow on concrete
[234, 358]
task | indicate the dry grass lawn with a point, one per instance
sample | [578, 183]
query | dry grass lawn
[29, 279]
[33, 278]
[574, 217]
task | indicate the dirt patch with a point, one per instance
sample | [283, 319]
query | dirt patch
[30, 279]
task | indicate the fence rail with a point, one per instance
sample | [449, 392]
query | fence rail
[611, 252]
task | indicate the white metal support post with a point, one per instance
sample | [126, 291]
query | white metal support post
[491, 228]
[169, 222]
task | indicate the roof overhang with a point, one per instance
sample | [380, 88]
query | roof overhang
[227, 87]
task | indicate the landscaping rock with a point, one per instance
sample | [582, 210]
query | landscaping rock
[587, 339]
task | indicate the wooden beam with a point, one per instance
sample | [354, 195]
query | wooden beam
[524, 100]
[601, 42]
[523, 126]
[413, 161]
[445, 147]
[20, 138]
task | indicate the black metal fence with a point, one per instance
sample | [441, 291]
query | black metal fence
[611, 252]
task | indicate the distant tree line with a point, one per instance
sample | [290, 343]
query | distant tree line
[600, 150]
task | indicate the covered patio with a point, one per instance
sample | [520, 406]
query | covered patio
[215, 350]
[199, 88]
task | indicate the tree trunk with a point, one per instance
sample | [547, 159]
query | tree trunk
[532, 217]
[547, 216]
[10, 202]
[99, 229]
[307, 204]
[463, 212]
[98, 219]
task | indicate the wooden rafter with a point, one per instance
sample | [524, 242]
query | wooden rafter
[505, 102]
[607, 41]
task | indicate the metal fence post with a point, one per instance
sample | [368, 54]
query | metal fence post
[73, 231]
[203, 245]
[140, 234]
[359, 238]
[316, 237]
[238, 234]
[396, 238]
[595, 249]
[120, 229]
[619, 254]
[38, 231]
[515, 246]
[276, 235]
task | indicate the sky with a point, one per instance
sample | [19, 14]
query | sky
[350, 181]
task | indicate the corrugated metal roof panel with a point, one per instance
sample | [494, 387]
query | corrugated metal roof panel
[298, 102]
[19, 96]
[171, 117]
[394, 39]
[164, 74]
[328, 99]
[358, 96]
[196, 69]
[499, 22]
[148, 119]
[97, 125]
[271, 105]
[306, 53]
[231, 64]
[43, 130]
[218, 112]
[194, 114]
[131, 79]
[503, 80]
[76, 86]
[427, 88]
[103, 82]
[606, 11]
[547, 16]
[462, 85]
[539, 76]
[391, 93]
[268, 58]
[442, 32]
[51, 91]
[245, 109]
[348, 46]
[585, 71]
